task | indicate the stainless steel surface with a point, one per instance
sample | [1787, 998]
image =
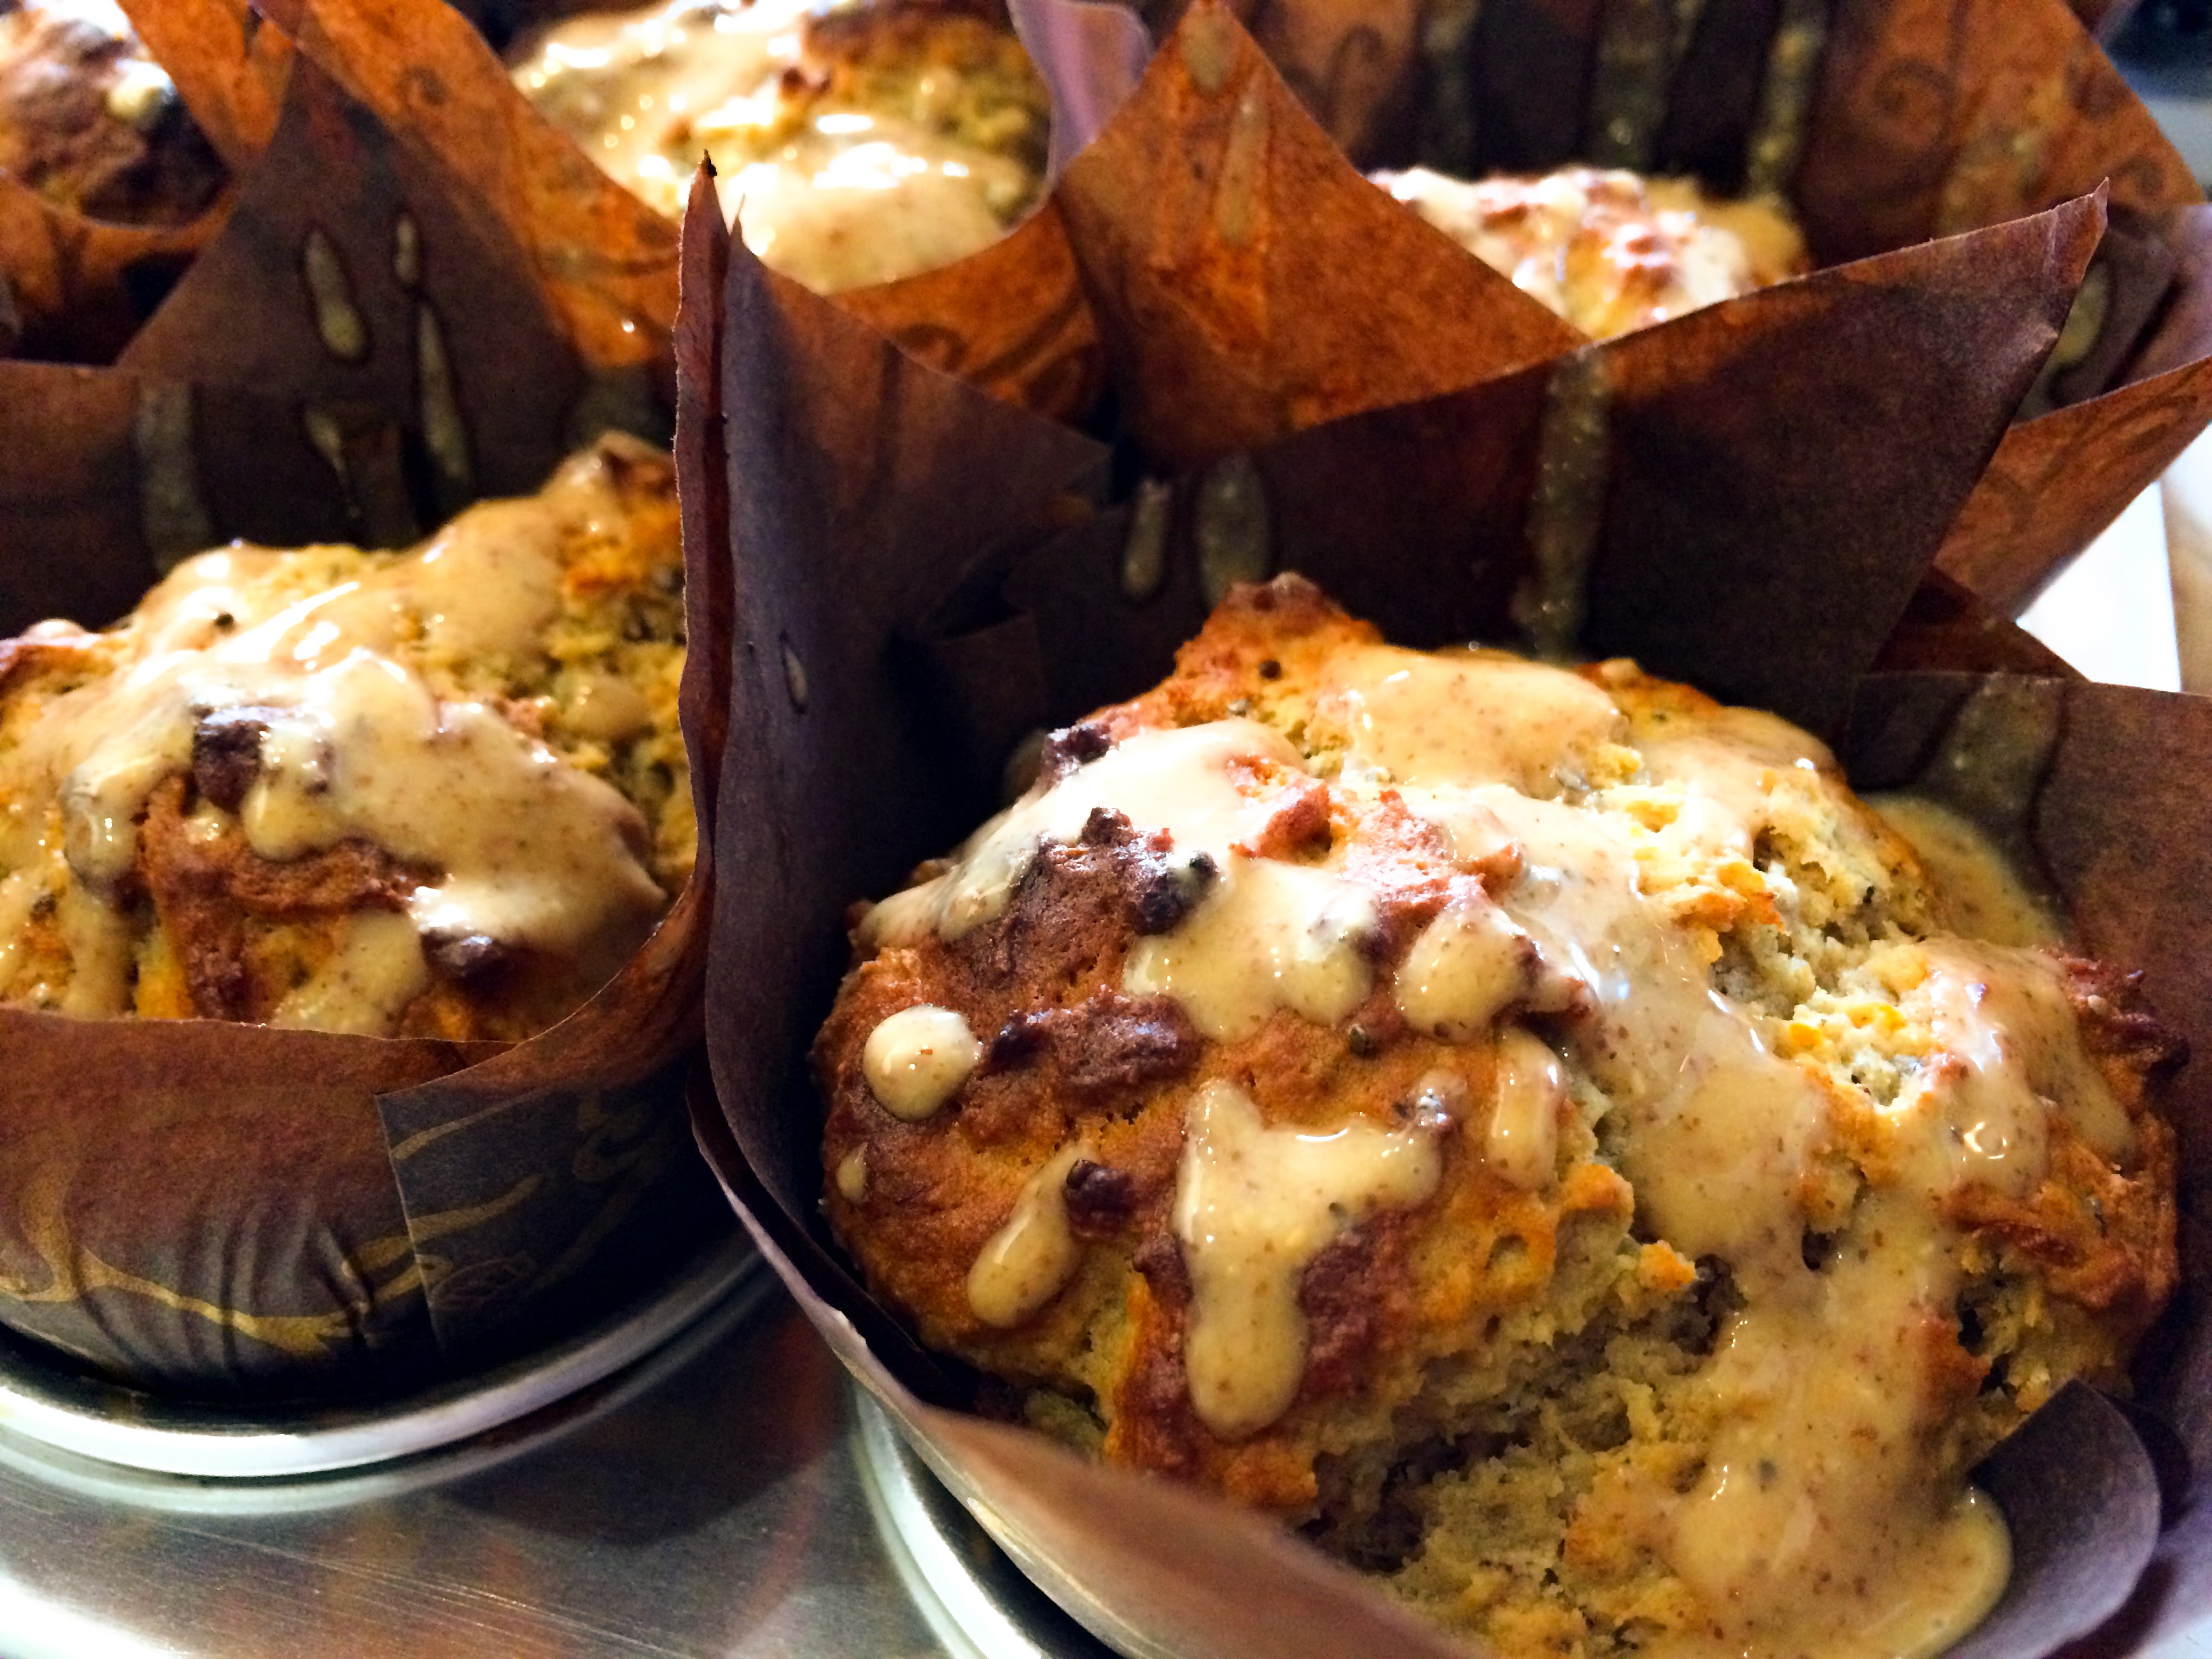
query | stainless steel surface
[709, 1501]
[975, 1599]
[65, 1412]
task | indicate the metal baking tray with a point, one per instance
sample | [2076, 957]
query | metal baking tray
[695, 1477]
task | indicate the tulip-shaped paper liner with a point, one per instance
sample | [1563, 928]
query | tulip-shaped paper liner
[1586, 496]
[220, 1210]
[1886, 121]
[1011, 317]
[875, 678]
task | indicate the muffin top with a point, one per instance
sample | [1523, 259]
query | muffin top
[434, 793]
[1607, 250]
[1534, 1127]
[857, 143]
[91, 122]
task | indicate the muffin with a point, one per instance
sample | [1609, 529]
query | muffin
[1609, 250]
[858, 143]
[1534, 1128]
[436, 792]
[89, 121]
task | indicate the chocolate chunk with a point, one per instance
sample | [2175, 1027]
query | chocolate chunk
[471, 958]
[1337, 1294]
[1117, 1046]
[1072, 747]
[1100, 1200]
[1163, 891]
[227, 754]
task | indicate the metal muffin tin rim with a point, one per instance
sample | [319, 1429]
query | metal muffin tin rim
[58, 1411]
[1048, 1616]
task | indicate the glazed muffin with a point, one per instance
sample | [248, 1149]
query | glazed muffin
[434, 793]
[1609, 250]
[1536, 1130]
[856, 142]
[89, 121]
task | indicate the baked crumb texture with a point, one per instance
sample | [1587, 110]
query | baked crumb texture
[435, 793]
[1531, 1129]
[1607, 250]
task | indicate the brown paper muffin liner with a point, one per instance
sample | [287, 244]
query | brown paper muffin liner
[1748, 497]
[1885, 122]
[223, 1211]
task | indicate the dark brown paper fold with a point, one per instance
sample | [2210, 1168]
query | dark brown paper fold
[107, 477]
[415, 341]
[128, 1240]
[1715, 517]
[863, 487]
[2058, 480]
[2081, 1500]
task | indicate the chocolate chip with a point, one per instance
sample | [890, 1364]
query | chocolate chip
[1100, 1200]
[1271, 669]
[1019, 1040]
[469, 957]
[1074, 746]
[227, 754]
[1361, 1042]
[1163, 891]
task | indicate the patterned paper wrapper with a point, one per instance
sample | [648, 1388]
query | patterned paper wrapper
[1011, 318]
[1884, 121]
[229, 1212]
[1748, 498]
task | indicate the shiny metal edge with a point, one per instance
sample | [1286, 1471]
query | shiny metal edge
[979, 1589]
[304, 1494]
[977, 1603]
[101, 1422]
